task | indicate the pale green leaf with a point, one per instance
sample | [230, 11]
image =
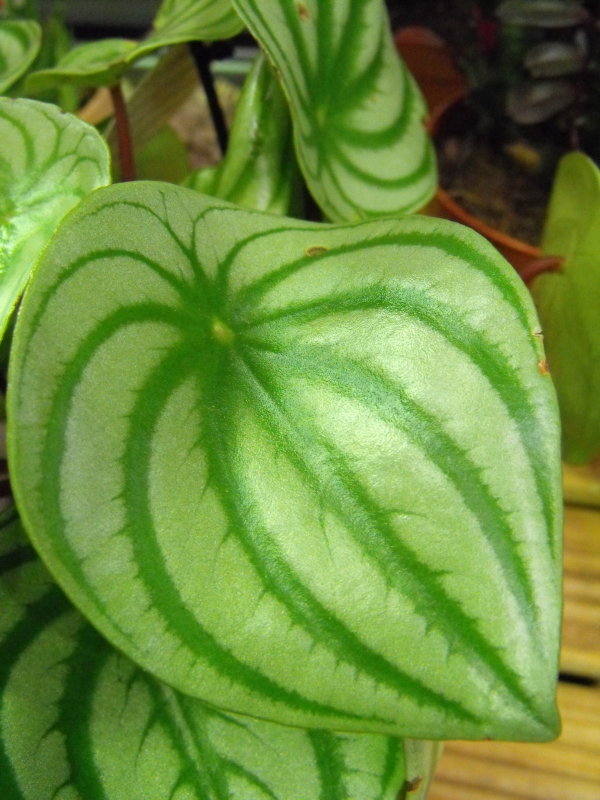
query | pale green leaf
[356, 110]
[99, 63]
[305, 472]
[568, 303]
[80, 721]
[259, 170]
[20, 42]
[48, 161]
[103, 63]
[180, 21]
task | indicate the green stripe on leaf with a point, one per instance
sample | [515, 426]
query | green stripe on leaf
[78, 718]
[321, 482]
[356, 110]
[20, 42]
[49, 161]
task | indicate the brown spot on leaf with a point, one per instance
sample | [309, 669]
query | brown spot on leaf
[303, 12]
[543, 367]
[316, 250]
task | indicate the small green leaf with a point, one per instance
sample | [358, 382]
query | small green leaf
[79, 720]
[180, 21]
[103, 63]
[356, 110]
[305, 472]
[259, 170]
[568, 303]
[93, 64]
[48, 161]
[20, 42]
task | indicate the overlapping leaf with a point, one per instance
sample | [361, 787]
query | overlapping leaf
[103, 63]
[356, 110]
[20, 42]
[78, 719]
[48, 162]
[259, 170]
[305, 472]
[568, 303]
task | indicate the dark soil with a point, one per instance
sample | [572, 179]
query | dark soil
[493, 187]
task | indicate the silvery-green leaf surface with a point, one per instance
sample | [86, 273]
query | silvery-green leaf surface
[542, 13]
[259, 170]
[20, 42]
[553, 59]
[79, 720]
[305, 472]
[103, 63]
[356, 110]
[568, 301]
[48, 162]
[533, 102]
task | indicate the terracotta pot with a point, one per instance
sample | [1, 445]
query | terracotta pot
[431, 62]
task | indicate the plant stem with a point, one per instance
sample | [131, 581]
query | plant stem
[124, 134]
[201, 59]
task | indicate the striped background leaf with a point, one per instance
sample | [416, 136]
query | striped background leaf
[20, 42]
[305, 472]
[259, 170]
[104, 62]
[79, 720]
[568, 301]
[48, 161]
[357, 112]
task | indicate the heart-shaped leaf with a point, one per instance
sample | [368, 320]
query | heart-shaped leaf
[48, 161]
[79, 719]
[305, 472]
[20, 42]
[356, 110]
[568, 303]
[103, 63]
[259, 170]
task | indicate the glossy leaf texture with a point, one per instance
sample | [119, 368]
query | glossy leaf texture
[104, 62]
[259, 170]
[356, 110]
[305, 472]
[80, 720]
[20, 42]
[50, 161]
[568, 302]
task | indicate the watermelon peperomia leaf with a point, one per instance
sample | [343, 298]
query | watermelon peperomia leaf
[305, 472]
[99, 63]
[356, 110]
[79, 720]
[20, 42]
[181, 21]
[568, 302]
[104, 62]
[48, 161]
[259, 170]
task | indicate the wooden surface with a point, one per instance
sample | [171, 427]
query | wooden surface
[568, 769]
